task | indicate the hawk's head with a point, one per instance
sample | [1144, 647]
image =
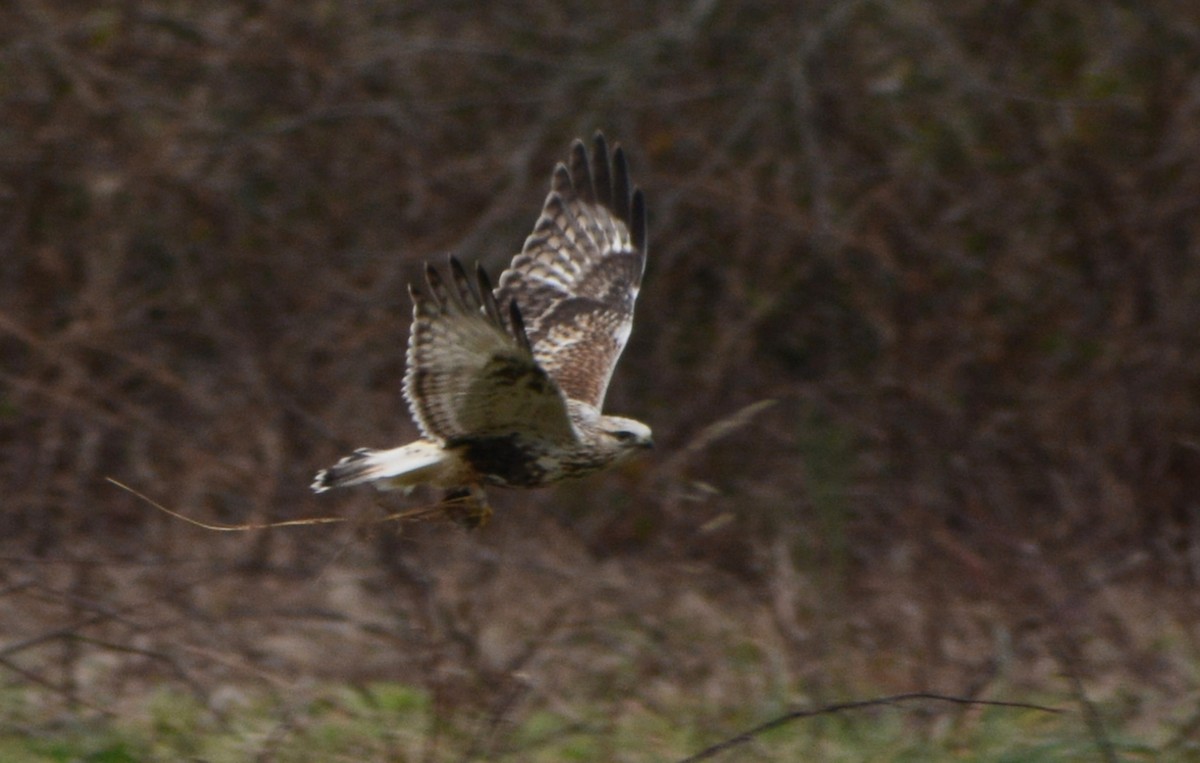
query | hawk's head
[626, 436]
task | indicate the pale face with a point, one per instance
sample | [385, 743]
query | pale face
[627, 435]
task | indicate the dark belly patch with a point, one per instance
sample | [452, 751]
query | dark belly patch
[506, 460]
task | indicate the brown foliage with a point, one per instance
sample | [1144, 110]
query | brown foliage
[971, 251]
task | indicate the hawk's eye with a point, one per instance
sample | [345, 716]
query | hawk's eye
[624, 436]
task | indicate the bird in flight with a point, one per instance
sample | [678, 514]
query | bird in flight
[507, 384]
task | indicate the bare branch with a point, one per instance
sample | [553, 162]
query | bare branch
[783, 720]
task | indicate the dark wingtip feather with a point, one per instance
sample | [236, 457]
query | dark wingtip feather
[466, 290]
[432, 278]
[601, 170]
[599, 148]
[637, 222]
[457, 271]
[418, 299]
[487, 295]
[485, 283]
[621, 185]
[581, 172]
[437, 287]
[518, 325]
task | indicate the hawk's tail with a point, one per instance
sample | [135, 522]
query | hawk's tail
[403, 467]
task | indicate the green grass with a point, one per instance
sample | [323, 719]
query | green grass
[390, 722]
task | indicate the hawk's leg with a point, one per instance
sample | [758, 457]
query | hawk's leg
[468, 506]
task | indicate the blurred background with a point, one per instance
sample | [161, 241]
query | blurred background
[918, 340]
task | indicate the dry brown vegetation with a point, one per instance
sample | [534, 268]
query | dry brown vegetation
[958, 243]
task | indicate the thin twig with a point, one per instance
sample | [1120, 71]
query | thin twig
[418, 513]
[787, 718]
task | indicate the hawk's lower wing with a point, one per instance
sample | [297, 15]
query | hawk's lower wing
[471, 370]
[577, 277]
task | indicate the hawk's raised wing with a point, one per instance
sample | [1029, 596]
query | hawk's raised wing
[576, 278]
[471, 371]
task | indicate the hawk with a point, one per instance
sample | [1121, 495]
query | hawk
[507, 384]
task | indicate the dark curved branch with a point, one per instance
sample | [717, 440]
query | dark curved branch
[794, 715]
